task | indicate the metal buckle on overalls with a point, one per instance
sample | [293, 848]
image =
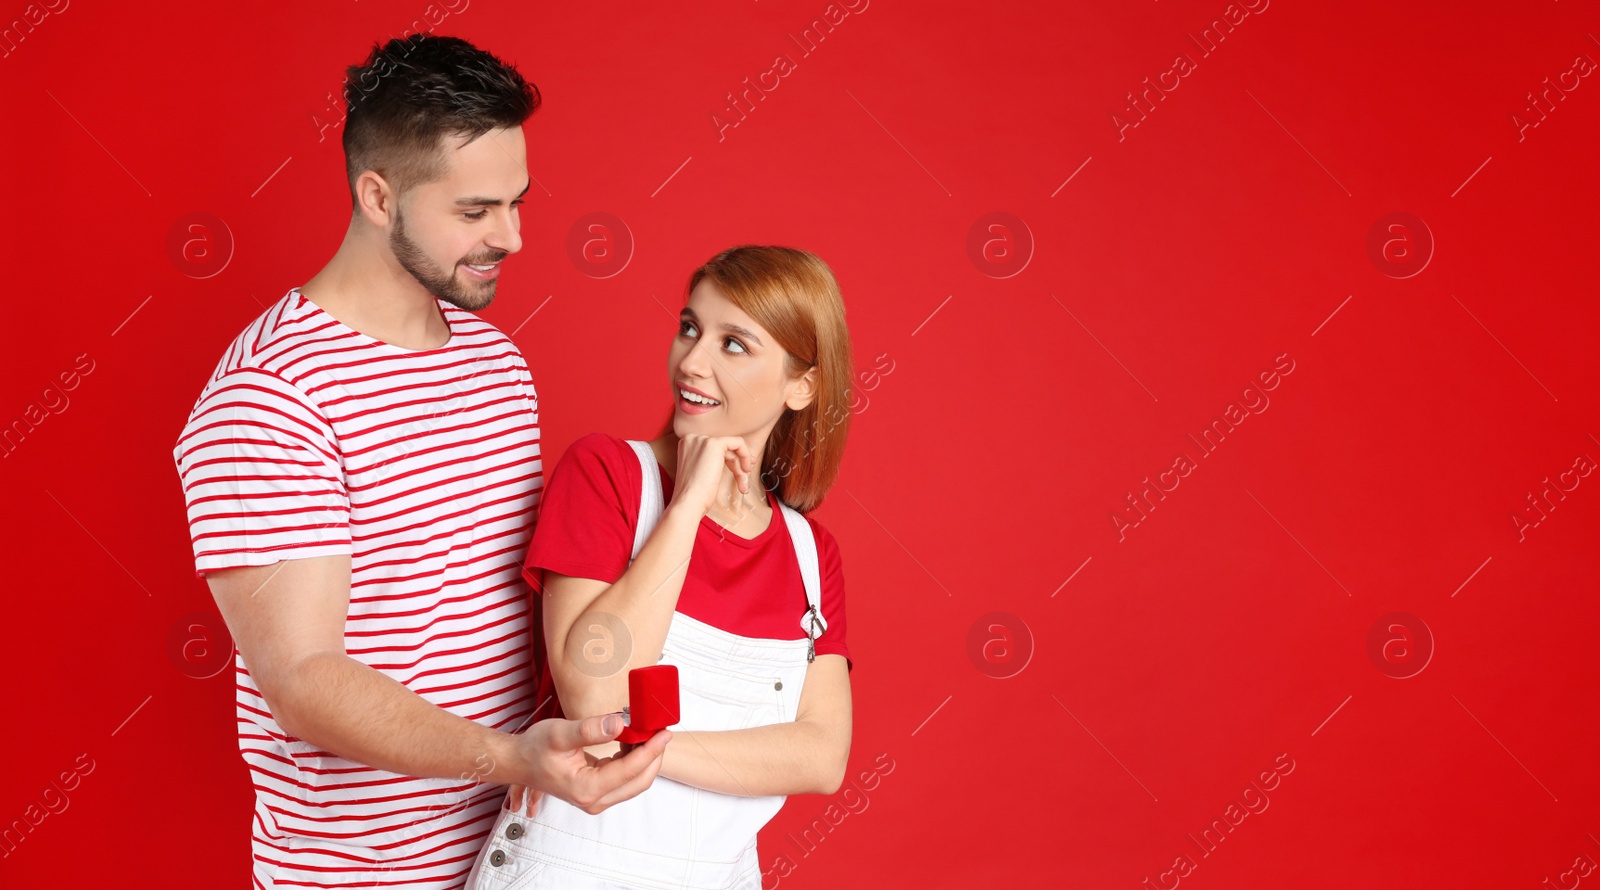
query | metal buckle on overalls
[811, 637]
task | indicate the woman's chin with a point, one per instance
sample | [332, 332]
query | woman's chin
[684, 423]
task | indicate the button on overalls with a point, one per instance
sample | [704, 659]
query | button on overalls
[672, 835]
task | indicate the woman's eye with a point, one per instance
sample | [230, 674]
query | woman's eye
[735, 343]
[686, 328]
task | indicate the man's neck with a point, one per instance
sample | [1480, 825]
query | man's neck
[378, 299]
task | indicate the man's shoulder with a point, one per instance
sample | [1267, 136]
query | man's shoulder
[263, 342]
[250, 374]
[267, 344]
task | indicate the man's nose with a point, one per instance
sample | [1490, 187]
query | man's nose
[506, 235]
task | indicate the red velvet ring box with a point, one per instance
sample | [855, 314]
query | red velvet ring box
[652, 702]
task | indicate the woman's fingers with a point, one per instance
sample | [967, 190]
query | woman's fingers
[746, 462]
[701, 459]
[731, 452]
[736, 457]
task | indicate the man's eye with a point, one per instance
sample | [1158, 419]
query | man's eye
[482, 213]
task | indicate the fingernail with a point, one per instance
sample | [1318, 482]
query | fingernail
[612, 724]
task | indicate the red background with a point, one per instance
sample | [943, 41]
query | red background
[1230, 227]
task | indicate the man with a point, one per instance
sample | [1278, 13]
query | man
[361, 475]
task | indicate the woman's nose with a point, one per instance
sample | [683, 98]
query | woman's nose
[694, 362]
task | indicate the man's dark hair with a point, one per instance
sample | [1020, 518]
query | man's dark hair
[411, 94]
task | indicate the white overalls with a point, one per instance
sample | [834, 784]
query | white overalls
[672, 835]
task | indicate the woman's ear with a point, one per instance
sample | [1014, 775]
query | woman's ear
[804, 390]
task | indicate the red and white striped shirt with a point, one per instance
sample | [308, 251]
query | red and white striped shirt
[313, 439]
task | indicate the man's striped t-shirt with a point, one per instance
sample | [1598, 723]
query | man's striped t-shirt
[312, 439]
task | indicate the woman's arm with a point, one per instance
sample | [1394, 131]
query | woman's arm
[596, 632]
[808, 756]
[590, 655]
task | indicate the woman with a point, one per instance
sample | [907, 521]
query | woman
[677, 551]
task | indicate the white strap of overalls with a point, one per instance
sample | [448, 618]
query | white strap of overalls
[652, 503]
[805, 547]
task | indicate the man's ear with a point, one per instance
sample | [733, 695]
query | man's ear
[375, 198]
[805, 390]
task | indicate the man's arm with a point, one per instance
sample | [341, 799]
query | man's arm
[288, 621]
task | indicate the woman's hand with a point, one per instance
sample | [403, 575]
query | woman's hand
[701, 460]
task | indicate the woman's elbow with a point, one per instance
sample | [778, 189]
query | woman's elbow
[832, 769]
[831, 782]
[584, 696]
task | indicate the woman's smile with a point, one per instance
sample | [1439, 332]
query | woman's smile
[693, 401]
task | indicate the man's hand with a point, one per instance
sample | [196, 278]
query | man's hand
[552, 757]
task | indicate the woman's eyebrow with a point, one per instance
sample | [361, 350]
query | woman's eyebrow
[731, 328]
[738, 330]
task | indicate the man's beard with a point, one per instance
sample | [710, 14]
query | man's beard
[471, 295]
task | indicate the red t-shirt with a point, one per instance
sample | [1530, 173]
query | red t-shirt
[747, 586]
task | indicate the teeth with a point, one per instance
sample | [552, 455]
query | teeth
[698, 400]
[482, 268]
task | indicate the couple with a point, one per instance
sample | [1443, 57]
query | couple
[362, 474]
